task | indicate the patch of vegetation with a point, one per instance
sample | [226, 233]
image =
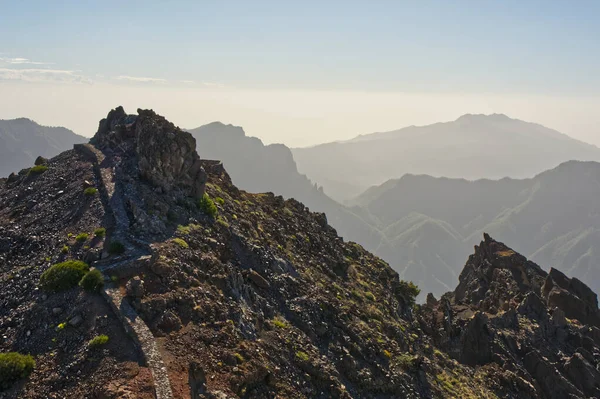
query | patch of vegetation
[100, 232]
[240, 359]
[302, 356]
[357, 295]
[409, 291]
[505, 254]
[369, 295]
[38, 169]
[185, 230]
[90, 191]
[63, 276]
[220, 201]
[61, 326]
[82, 237]
[65, 249]
[405, 361]
[181, 242]
[98, 341]
[207, 205]
[13, 367]
[387, 353]
[92, 281]
[280, 322]
[221, 221]
[116, 248]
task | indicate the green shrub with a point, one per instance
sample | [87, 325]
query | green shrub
[369, 295]
[181, 242]
[63, 276]
[280, 322]
[38, 169]
[65, 249]
[302, 356]
[220, 201]
[81, 237]
[13, 367]
[92, 281]
[90, 191]
[221, 221]
[207, 205]
[239, 358]
[405, 360]
[98, 341]
[100, 232]
[116, 248]
[409, 291]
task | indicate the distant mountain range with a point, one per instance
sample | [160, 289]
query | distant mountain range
[471, 147]
[23, 140]
[430, 224]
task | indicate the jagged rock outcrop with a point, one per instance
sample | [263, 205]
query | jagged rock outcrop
[166, 155]
[529, 326]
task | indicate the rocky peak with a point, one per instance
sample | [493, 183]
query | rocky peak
[495, 274]
[166, 155]
[535, 332]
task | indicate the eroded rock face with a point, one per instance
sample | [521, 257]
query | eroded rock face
[166, 155]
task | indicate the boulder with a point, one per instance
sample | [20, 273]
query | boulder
[135, 288]
[41, 161]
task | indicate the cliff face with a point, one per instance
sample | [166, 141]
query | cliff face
[240, 295]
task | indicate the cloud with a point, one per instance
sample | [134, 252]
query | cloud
[22, 61]
[141, 79]
[43, 75]
[213, 85]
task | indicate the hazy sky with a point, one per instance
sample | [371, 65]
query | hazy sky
[303, 72]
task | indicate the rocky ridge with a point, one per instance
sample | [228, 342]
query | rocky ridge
[537, 333]
[219, 293]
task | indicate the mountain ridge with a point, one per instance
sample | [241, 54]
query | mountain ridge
[472, 147]
[23, 140]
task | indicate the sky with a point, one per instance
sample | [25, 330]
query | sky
[302, 73]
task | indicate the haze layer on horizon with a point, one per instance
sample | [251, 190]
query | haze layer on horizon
[304, 73]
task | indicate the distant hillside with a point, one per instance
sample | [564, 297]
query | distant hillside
[431, 224]
[471, 147]
[258, 168]
[22, 141]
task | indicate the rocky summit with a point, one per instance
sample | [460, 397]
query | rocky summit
[131, 268]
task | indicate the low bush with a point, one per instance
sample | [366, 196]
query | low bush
[65, 249]
[98, 341]
[63, 276]
[409, 291]
[92, 281]
[207, 205]
[100, 232]
[302, 356]
[181, 242]
[280, 322]
[38, 169]
[90, 191]
[369, 295]
[82, 237]
[13, 367]
[220, 201]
